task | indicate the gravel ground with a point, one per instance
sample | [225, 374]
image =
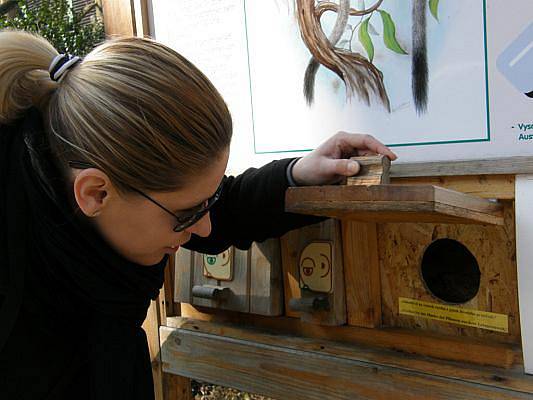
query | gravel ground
[206, 391]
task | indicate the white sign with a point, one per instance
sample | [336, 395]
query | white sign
[479, 60]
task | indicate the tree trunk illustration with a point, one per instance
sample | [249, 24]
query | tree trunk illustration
[359, 75]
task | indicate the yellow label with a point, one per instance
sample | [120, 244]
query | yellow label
[454, 315]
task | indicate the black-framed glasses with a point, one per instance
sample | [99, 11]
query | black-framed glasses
[186, 218]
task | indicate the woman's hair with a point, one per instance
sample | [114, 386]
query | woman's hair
[133, 108]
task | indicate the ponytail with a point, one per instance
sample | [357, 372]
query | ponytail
[24, 77]
[134, 108]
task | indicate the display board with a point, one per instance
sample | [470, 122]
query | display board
[437, 80]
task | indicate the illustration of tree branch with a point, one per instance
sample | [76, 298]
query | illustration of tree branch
[358, 74]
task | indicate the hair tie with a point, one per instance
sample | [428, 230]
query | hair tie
[60, 65]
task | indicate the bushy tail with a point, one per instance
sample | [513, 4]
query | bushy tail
[419, 62]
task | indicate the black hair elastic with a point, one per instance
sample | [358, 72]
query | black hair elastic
[61, 64]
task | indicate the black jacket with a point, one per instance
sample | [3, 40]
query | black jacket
[70, 307]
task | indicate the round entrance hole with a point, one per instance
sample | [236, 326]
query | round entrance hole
[450, 271]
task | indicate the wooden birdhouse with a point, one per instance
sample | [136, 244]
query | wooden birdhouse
[426, 260]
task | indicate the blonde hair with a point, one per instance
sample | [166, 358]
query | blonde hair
[134, 108]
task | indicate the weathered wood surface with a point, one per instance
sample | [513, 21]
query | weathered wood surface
[288, 367]
[176, 387]
[266, 280]
[292, 245]
[485, 186]
[494, 247]
[256, 286]
[462, 349]
[183, 266]
[489, 166]
[373, 170]
[393, 203]
[361, 273]
[119, 18]
[151, 327]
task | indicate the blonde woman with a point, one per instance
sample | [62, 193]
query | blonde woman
[109, 164]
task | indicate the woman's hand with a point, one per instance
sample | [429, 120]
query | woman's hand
[330, 162]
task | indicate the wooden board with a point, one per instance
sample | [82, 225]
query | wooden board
[183, 265]
[439, 346]
[494, 247]
[373, 170]
[266, 291]
[485, 186]
[256, 285]
[199, 279]
[393, 203]
[489, 166]
[296, 368]
[292, 245]
[176, 387]
[119, 18]
[240, 285]
[361, 273]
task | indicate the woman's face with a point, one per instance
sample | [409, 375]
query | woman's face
[135, 227]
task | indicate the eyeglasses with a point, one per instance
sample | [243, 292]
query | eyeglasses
[186, 218]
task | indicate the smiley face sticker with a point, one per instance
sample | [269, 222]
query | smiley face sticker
[315, 267]
[219, 266]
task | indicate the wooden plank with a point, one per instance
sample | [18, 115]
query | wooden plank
[240, 285]
[297, 369]
[169, 290]
[119, 17]
[485, 186]
[199, 279]
[266, 292]
[183, 265]
[399, 203]
[488, 166]
[362, 274]
[444, 347]
[151, 327]
[292, 245]
[177, 387]
[512, 378]
[373, 170]
[402, 247]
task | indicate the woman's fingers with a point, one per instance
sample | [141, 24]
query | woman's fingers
[357, 144]
[343, 167]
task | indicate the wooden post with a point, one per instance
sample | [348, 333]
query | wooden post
[119, 17]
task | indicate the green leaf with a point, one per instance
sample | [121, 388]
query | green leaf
[389, 33]
[434, 8]
[365, 39]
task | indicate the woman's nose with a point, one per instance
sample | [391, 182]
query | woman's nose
[201, 228]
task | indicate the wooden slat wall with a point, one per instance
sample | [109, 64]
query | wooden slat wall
[460, 349]
[296, 368]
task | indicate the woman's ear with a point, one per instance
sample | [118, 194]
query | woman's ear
[92, 189]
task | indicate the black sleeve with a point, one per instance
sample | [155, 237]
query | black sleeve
[251, 208]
